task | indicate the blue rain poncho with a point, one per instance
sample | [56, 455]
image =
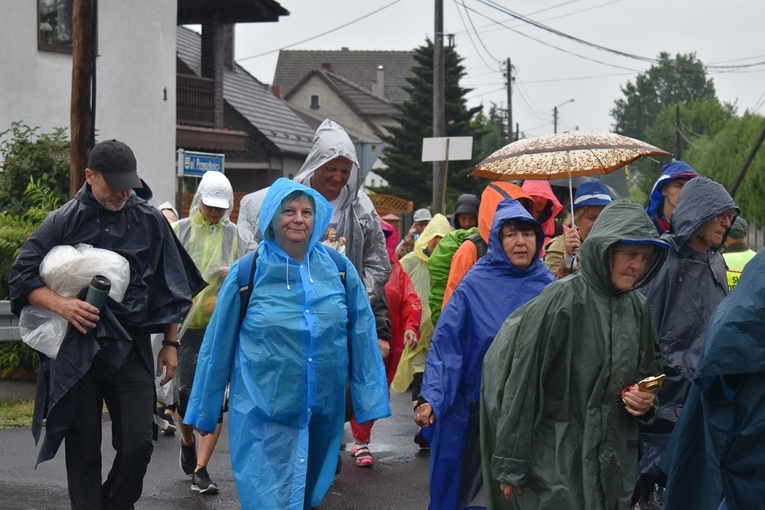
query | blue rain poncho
[716, 447]
[671, 171]
[492, 290]
[287, 366]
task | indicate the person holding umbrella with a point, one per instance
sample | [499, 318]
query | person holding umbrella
[561, 254]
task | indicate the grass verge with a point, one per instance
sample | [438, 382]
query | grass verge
[16, 414]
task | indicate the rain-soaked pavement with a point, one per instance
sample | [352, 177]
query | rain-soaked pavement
[398, 480]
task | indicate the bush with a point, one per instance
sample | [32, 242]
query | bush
[28, 154]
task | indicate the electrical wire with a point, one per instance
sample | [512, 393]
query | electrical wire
[321, 34]
[470, 36]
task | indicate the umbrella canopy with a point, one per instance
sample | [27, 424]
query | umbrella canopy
[560, 155]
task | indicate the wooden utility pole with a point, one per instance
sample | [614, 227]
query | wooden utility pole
[678, 147]
[439, 105]
[81, 128]
[747, 163]
[510, 137]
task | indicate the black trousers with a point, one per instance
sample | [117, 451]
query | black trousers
[129, 396]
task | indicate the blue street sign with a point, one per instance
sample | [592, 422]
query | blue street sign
[197, 163]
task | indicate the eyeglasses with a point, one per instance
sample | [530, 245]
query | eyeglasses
[727, 215]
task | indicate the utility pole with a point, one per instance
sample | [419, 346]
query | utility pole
[678, 148]
[509, 102]
[747, 163]
[83, 90]
[439, 105]
[555, 114]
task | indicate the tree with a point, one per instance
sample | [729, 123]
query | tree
[671, 81]
[720, 158]
[407, 176]
[28, 154]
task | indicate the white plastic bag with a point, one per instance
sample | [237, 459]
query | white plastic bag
[67, 270]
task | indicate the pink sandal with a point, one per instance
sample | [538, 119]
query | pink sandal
[363, 456]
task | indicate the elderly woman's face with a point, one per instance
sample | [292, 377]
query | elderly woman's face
[293, 223]
[520, 245]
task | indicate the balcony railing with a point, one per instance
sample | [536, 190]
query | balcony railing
[195, 103]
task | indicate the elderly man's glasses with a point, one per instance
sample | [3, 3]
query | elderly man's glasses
[727, 215]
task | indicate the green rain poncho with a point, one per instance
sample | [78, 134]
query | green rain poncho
[552, 421]
[416, 266]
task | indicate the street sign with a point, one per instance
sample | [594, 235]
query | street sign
[195, 164]
[447, 148]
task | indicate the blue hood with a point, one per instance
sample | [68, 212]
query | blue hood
[278, 192]
[674, 170]
[509, 209]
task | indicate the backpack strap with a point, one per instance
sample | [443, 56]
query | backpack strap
[245, 280]
[480, 244]
[499, 190]
[246, 276]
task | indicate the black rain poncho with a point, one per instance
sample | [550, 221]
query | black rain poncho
[163, 279]
[552, 419]
[683, 296]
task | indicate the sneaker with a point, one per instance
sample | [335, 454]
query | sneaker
[169, 426]
[188, 458]
[200, 482]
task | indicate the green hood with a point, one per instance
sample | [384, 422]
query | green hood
[625, 222]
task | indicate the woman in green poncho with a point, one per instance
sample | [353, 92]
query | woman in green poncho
[557, 431]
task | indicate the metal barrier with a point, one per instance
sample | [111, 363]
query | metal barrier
[9, 323]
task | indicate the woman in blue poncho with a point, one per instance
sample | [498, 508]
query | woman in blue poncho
[508, 276]
[289, 361]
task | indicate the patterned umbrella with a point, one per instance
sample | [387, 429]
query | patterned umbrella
[561, 155]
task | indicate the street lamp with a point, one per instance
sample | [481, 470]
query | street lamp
[555, 114]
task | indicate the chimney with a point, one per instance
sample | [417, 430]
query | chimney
[228, 45]
[378, 86]
[277, 91]
[326, 66]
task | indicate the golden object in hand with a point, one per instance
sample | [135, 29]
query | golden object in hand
[652, 383]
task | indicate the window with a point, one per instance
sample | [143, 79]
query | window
[314, 101]
[54, 28]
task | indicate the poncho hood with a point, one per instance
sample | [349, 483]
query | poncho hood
[700, 200]
[674, 170]
[329, 142]
[438, 226]
[492, 195]
[278, 191]
[510, 209]
[625, 222]
[542, 192]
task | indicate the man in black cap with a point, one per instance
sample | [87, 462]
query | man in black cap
[106, 355]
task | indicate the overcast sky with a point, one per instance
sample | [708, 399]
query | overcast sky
[550, 69]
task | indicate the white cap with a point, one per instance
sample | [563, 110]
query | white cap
[215, 190]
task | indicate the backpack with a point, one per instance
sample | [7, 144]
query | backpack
[246, 276]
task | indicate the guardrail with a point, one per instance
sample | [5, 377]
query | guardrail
[9, 323]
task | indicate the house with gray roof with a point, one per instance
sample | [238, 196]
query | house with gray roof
[278, 139]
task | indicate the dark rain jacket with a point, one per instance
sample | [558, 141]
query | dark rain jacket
[552, 419]
[492, 290]
[163, 280]
[683, 296]
[716, 448]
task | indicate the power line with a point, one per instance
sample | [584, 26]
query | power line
[470, 36]
[321, 34]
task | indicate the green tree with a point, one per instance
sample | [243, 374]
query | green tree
[28, 154]
[673, 80]
[407, 176]
[721, 158]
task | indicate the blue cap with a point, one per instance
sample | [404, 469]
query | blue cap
[592, 193]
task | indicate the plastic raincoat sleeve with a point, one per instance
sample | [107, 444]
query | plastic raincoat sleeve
[464, 258]
[411, 308]
[445, 366]
[375, 255]
[438, 266]
[369, 394]
[247, 229]
[216, 357]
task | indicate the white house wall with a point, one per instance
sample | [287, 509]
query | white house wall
[136, 64]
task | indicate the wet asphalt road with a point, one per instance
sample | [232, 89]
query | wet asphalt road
[398, 480]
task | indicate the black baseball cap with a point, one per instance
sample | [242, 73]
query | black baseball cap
[116, 162]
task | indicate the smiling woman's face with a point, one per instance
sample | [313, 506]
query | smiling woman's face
[293, 223]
